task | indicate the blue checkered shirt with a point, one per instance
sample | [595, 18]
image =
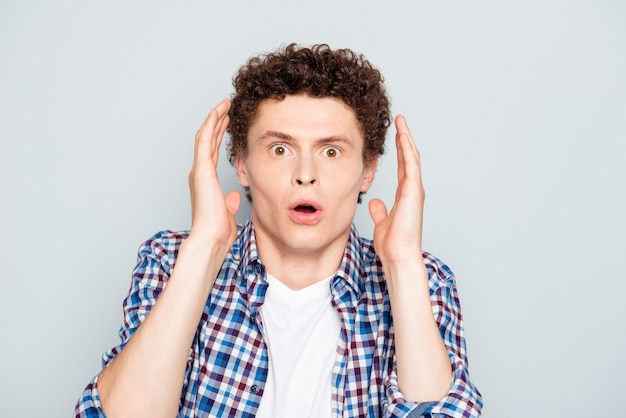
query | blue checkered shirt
[228, 360]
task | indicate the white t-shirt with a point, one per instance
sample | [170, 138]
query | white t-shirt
[301, 332]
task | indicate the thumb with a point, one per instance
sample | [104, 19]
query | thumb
[232, 201]
[378, 210]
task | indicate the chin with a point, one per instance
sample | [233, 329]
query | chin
[313, 237]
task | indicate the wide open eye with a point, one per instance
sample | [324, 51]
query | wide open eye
[331, 152]
[279, 150]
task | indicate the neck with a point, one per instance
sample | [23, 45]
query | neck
[299, 268]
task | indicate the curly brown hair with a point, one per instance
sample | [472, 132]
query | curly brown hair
[317, 71]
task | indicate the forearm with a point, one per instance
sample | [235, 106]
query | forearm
[147, 377]
[423, 366]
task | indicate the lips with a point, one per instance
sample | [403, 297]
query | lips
[305, 211]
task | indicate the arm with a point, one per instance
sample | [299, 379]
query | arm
[147, 376]
[423, 366]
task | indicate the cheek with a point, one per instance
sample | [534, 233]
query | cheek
[350, 179]
[346, 189]
[266, 183]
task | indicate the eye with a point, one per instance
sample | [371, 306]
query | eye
[331, 152]
[279, 150]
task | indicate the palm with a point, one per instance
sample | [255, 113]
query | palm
[212, 213]
[398, 234]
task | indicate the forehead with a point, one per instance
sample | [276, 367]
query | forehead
[304, 117]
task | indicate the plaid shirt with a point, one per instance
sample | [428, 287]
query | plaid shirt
[228, 360]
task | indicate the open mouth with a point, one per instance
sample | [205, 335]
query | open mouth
[306, 212]
[305, 209]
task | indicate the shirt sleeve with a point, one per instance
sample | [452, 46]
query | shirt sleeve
[149, 278]
[463, 400]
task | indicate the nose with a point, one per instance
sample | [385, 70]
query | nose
[305, 172]
[301, 182]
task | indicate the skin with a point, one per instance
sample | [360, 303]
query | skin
[310, 151]
[423, 366]
[145, 379]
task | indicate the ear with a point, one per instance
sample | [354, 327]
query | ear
[368, 175]
[242, 171]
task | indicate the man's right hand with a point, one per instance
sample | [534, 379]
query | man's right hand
[212, 214]
[146, 378]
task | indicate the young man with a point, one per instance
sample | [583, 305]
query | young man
[292, 314]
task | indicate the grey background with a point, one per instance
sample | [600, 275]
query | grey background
[519, 110]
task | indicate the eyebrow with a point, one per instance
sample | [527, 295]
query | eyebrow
[286, 137]
[276, 134]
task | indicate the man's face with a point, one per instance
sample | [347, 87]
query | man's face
[305, 170]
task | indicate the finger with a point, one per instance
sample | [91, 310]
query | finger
[408, 150]
[206, 135]
[202, 145]
[402, 127]
[209, 120]
[220, 126]
[233, 201]
[400, 156]
[220, 137]
[378, 210]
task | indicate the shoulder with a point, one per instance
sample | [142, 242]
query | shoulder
[166, 240]
[438, 272]
[162, 246]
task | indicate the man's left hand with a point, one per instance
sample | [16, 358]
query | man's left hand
[398, 234]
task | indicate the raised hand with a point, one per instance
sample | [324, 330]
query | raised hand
[145, 379]
[212, 213]
[422, 362]
[398, 234]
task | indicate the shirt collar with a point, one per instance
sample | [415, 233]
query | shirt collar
[250, 274]
[351, 273]
[245, 246]
[351, 270]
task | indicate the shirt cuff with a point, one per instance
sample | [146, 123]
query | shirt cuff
[89, 406]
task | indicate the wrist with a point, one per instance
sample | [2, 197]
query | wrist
[401, 267]
[410, 275]
[200, 260]
[204, 247]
